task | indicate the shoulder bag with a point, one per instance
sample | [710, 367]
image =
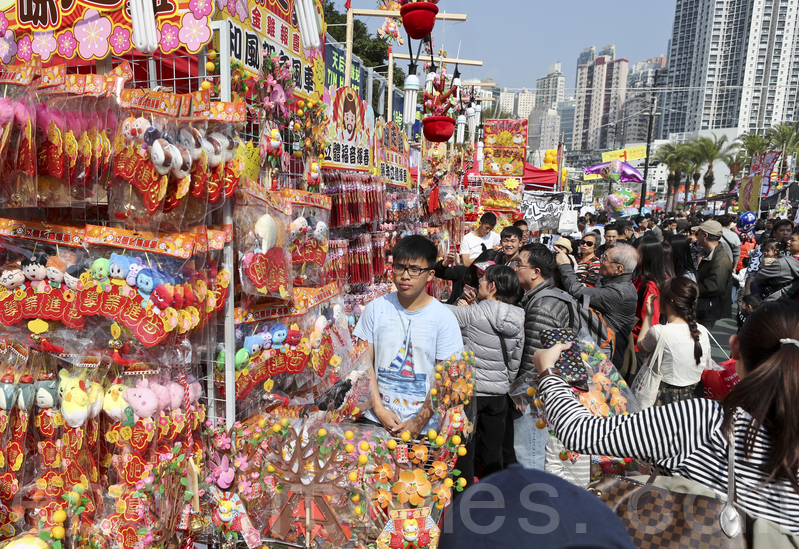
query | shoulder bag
[647, 383]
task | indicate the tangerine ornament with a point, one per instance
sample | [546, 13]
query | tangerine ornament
[392, 444]
[538, 403]
[349, 448]
[270, 468]
[406, 436]
[356, 498]
[210, 66]
[301, 104]
[440, 440]
[60, 516]
[564, 455]
[540, 423]
[353, 476]
[211, 55]
[349, 435]
[462, 451]
[206, 85]
[431, 434]
[531, 391]
[448, 482]
[364, 446]
[300, 112]
[358, 511]
[362, 459]
[462, 482]
[276, 427]
[456, 440]
[322, 432]
[58, 532]
[434, 391]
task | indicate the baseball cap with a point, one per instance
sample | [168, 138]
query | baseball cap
[521, 507]
[710, 226]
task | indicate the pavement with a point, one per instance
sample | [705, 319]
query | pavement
[722, 332]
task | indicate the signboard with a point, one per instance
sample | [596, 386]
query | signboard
[96, 29]
[349, 133]
[764, 163]
[543, 211]
[397, 107]
[588, 192]
[749, 199]
[633, 153]
[392, 153]
[335, 64]
[505, 147]
[267, 29]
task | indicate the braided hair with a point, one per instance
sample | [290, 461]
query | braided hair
[682, 294]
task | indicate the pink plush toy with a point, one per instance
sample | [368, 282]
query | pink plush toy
[176, 395]
[164, 398]
[142, 400]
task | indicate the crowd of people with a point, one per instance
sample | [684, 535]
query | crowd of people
[657, 281]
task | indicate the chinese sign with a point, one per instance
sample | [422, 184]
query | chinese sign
[391, 153]
[633, 153]
[505, 147]
[749, 199]
[266, 29]
[350, 132]
[95, 29]
[543, 211]
[397, 108]
[335, 63]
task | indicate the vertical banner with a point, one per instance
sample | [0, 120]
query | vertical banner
[749, 199]
[505, 147]
[543, 211]
[335, 69]
[350, 133]
[392, 153]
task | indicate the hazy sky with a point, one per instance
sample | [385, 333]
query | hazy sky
[517, 40]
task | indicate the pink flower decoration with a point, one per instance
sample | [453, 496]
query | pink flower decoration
[8, 46]
[194, 33]
[44, 44]
[67, 44]
[169, 37]
[24, 48]
[201, 8]
[240, 461]
[120, 40]
[224, 442]
[3, 23]
[92, 33]
[231, 7]
[245, 487]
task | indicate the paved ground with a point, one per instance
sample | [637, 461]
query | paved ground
[722, 332]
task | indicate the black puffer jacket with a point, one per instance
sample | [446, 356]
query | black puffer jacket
[542, 313]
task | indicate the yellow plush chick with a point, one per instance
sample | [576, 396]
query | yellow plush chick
[27, 542]
[96, 399]
[74, 399]
[113, 403]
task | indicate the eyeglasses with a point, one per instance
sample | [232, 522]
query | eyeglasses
[586, 243]
[412, 270]
[606, 259]
[516, 265]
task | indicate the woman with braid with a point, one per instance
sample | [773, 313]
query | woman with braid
[686, 348]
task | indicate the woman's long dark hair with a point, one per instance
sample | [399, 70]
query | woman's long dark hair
[651, 267]
[770, 389]
[681, 294]
[471, 278]
[681, 255]
[668, 260]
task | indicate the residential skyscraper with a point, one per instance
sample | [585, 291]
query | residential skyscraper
[566, 113]
[506, 101]
[586, 58]
[634, 127]
[543, 129]
[609, 50]
[525, 103]
[549, 89]
[600, 97]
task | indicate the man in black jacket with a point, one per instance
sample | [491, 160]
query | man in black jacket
[542, 311]
[614, 295]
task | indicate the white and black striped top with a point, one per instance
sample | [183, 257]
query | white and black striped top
[683, 438]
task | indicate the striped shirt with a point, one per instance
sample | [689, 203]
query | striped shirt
[683, 438]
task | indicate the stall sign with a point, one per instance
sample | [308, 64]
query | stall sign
[335, 70]
[350, 133]
[392, 153]
[543, 211]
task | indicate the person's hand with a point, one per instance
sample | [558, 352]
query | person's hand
[414, 426]
[461, 302]
[562, 258]
[468, 297]
[450, 259]
[650, 306]
[387, 418]
[546, 358]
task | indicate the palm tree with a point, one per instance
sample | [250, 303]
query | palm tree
[737, 156]
[694, 158]
[709, 151]
[673, 155]
[783, 137]
[753, 144]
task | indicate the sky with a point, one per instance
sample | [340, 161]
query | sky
[517, 40]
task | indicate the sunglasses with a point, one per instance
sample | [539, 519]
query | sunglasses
[586, 243]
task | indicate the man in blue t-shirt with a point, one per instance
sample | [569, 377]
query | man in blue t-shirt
[408, 332]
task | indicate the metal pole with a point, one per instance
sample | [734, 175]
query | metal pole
[370, 79]
[648, 145]
[348, 58]
[390, 110]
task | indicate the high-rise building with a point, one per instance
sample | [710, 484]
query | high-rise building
[543, 129]
[600, 97]
[634, 127]
[506, 101]
[586, 58]
[735, 60]
[566, 113]
[609, 50]
[525, 103]
[549, 89]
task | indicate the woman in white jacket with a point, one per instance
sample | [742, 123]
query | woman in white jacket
[494, 330]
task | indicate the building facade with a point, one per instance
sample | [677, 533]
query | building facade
[609, 51]
[543, 129]
[550, 89]
[587, 57]
[634, 125]
[599, 101]
[566, 112]
[525, 103]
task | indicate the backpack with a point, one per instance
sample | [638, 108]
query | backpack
[587, 318]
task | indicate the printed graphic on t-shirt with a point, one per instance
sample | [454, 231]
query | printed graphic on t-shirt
[402, 389]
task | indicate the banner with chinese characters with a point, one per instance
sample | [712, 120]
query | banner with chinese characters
[503, 161]
[96, 29]
[335, 61]
[505, 133]
[392, 153]
[633, 153]
[543, 211]
[350, 133]
[266, 27]
[764, 163]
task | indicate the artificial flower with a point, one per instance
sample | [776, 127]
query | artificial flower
[412, 487]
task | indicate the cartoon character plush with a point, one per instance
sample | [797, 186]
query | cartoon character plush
[161, 156]
[127, 129]
[162, 393]
[213, 149]
[114, 402]
[142, 400]
[133, 271]
[192, 141]
[321, 231]
[11, 276]
[45, 393]
[25, 392]
[138, 129]
[72, 277]
[56, 269]
[35, 268]
[8, 392]
[266, 230]
[96, 398]
[176, 393]
[162, 297]
[146, 281]
[181, 161]
[74, 400]
[298, 228]
[118, 267]
[253, 344]
[279, 333]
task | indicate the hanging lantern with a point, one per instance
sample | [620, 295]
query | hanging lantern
[461, 128]
[412, 87]
[419, 18]
[470, 114]
[438, 129]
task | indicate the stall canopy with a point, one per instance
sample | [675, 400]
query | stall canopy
[790, 192]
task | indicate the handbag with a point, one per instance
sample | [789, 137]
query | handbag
[673, 512]
[646, 385]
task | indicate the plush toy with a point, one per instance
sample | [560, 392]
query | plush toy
[266, 230]
[127, 129]
[227, 144]
[8, 392]
[142, 400]
[11, 276]
[176, 393]
[114, 402]
[279, 333]
[46, 393]
[146, 281]
[163, 395]
[162, 297]
[118, 267]
[100, 270]
[138, 129]
[35, 268]
[25, 392]
[161, 155]
[133, 271]
[74, 400]
[192, 141]
[213, 149]
[181, 161]
[56, 269]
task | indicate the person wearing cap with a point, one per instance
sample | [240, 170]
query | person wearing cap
[713, 275]
[564, 244]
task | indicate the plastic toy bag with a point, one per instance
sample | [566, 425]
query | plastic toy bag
[309, 233]
[262, 220]
[225, 150]
[18, 138]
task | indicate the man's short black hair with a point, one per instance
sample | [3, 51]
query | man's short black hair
[510, 232]
[611, 227]
[521, 223]
[489, 218]
[415, 247]
[506, 280]
[540, 257]
[623, 225]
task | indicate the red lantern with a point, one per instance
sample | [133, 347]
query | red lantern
[438, 129]
[419, 18]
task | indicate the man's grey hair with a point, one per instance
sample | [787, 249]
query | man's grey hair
[626, 256]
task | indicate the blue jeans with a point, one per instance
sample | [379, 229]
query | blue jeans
[529, 443]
